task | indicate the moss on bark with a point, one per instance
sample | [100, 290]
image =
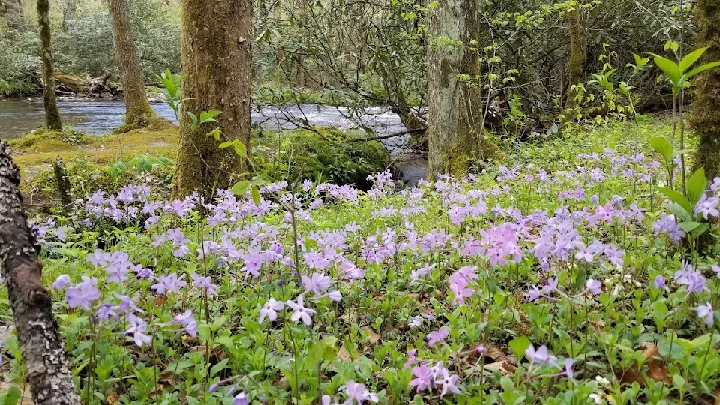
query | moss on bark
[576, 61]
[216, 37]
[52, 115]
[705, 116]
[138, 113]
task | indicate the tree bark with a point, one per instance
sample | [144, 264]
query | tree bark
[455, 109]
[52, 115]
[138, 112]
[705, 117]
[216, 60]
[576, 61]
[51, 382]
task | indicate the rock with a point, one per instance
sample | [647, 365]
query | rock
[156, 97]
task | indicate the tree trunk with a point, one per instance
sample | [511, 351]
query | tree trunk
[577, 51]
[12, 11]
[51, 382]
[216, 60]
[69, 13]
[705, 117]
[52, 116]
[455, 110]
[138, 112]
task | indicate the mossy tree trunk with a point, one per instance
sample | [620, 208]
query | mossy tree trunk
[216, 60]
[455, 109]
[52, 115]
[577, 51]
[138, 112]
[705, 117]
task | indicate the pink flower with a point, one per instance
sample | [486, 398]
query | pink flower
[300, 311]
[440, 335]
[270, 310]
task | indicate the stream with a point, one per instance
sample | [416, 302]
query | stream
[96, 117]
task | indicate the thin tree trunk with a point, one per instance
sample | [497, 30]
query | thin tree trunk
[577, 51]
[216, 60]
[51, 382]
[705, 117]
[52, 115]
[138, 112]
[69, 13]
[455, 132]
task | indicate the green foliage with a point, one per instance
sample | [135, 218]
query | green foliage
[679, 74]
[322, 154]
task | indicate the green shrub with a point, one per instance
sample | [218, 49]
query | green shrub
[325, 154]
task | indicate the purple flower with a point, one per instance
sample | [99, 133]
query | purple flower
[61, 282]
[411, 358]
[204, 282]
[706, 311]
[440, 335]
[171, 282]
[300, 311]
[707, 206]
[568, 368]
[126, 305]
[105, 312]
[541, 356]
[187, 321]
[270, 310]
[241, 399]
[316, 283]
[82, 295]
[423, 378]
[137, 329]
[448, 382]
[358, 392]
[659, 281]
[694, 280]
[99, 258]
[594, 286]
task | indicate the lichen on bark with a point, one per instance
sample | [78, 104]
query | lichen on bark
[52, 115]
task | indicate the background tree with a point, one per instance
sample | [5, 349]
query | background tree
[52, 115]
[12, 11]
[216, 61]
[577, 49]
[455, 108]
[51, 382]
[705, 117]
[138, 112]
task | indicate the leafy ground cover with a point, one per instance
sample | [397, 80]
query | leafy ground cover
[562, 277]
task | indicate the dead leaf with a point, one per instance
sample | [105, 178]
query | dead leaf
[502, 366]
[343, 354]
[113, 399]
[374, 337]
[655, 368]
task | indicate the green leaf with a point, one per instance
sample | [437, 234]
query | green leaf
[696, 186]
[695, 233]
[256, 195]
[691, 58]
[682, 152]
[241, 187]
[701, 69]
[671, 69]
[12, 396]
[663, 147]
[519, 345]
[678, 198]
[679, 212]
[225, 145]
[240, 148]
[209, 116]
[218, 367]
[689, 226]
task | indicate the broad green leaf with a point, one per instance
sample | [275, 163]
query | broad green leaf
[682, 152]
[519, 345]
[678, 198]
[12, 396]
[663, 147]
[679, 212]
[689, 226]
[193, 117]
[209, 116]
[240, 148]
[241, 187]
[696, 186]
[701, 69]
[256, 195]
[218, 367]
[700, 230]
[225, 145]
[670, 68]
[691, 58]
[640, 62]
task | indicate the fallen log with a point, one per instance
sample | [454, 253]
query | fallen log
[50, 379]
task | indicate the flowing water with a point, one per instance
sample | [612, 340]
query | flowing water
[96, 117]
